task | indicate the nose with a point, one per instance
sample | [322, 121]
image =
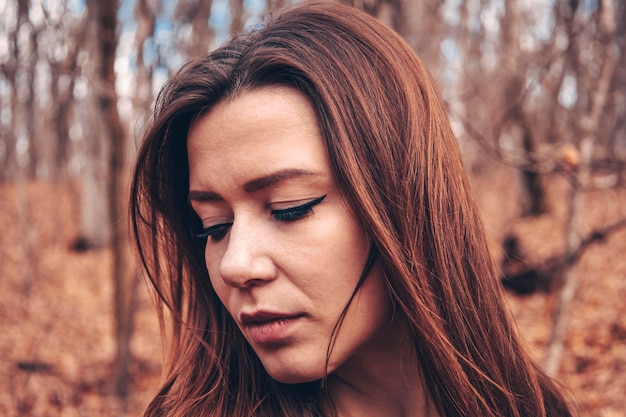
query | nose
[247, 260]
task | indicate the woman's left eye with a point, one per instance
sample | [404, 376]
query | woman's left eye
[296, 213]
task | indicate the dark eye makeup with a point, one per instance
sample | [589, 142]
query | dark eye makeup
[215, 232]
[295, 213]
[218, 231]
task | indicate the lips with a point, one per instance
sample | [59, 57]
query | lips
[268, 328]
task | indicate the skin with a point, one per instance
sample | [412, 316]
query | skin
[285, 278]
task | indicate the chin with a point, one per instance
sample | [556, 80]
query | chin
[294, 376]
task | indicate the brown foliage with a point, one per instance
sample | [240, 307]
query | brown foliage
[594, 357]
[57, 345]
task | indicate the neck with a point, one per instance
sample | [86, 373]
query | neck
[382, 381]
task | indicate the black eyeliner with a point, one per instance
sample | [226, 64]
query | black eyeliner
[218, 230]
[297, 212]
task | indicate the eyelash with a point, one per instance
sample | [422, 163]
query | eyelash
[296, 213]
[215, 233]
[218, 231]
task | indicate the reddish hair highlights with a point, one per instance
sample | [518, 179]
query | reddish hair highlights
[396, 160]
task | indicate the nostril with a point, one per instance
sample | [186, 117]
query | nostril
[246, 260]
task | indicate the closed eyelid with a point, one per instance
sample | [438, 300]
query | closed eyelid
[210, 222]
[296, 212]
[274, 208]
[209, 211]
[287, 204]
[298, 204]
[215, 232]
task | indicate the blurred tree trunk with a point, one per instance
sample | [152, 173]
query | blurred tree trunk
[145, 13]
[29, 49]
[123, 273]
[514, 90]
[589, 126]
[9, 70]
[94, 230]
[63, 74]
[272, 5]
[469, 97]
[22, 131]
[419, 22]
[196, 14]
[237, 20]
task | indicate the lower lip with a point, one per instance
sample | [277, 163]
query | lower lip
[270, 332]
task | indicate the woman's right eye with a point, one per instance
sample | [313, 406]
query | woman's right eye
[215, 232]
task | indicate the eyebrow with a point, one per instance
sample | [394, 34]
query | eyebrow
[256, 184]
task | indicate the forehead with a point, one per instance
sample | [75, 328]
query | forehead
[253, 134]
[253, 113]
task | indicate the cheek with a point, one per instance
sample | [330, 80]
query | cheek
[331, 250]
[212, 261]
[213, 254]
[349, 249]
[224, 293]
[341, 239]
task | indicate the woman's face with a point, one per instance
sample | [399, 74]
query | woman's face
[284, 253]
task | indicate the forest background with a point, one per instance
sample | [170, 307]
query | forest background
[536, 92]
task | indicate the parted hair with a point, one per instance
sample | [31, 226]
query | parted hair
[396, 160]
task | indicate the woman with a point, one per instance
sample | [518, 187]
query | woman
[301, 208]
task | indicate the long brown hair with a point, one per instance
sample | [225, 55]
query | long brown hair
[396, 160]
